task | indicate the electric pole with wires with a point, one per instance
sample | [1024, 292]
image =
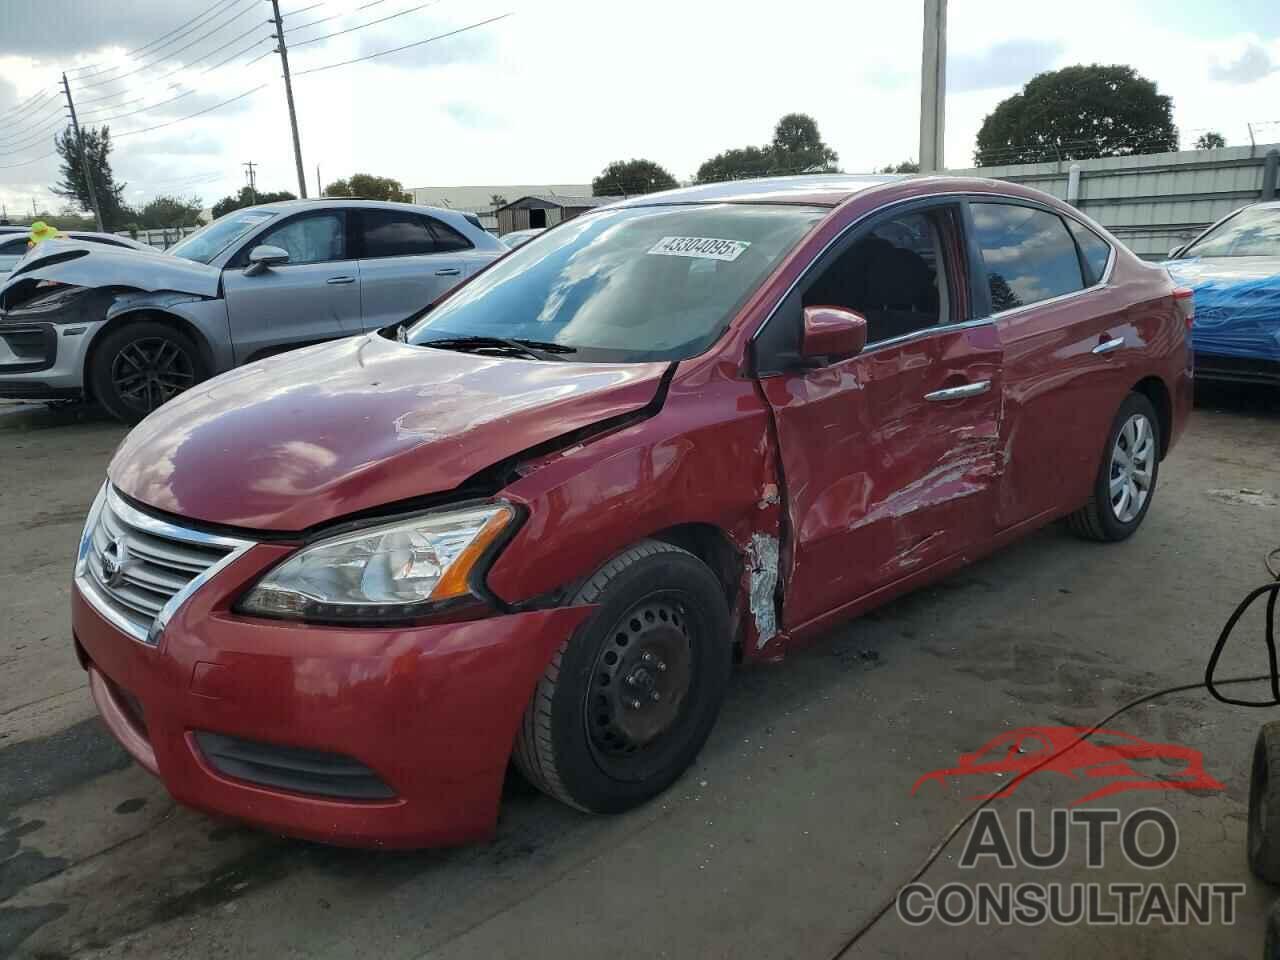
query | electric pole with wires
[252, 176]
[84, 162]
[283, 50]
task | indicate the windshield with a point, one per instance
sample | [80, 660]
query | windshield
[207, 242]
[1253, 232]
[627, 285]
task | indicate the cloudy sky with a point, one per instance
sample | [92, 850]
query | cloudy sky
[557, 89]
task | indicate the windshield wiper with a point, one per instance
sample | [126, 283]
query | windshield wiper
[538, 349]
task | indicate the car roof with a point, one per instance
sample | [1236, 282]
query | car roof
[814, 189]
[337, 203]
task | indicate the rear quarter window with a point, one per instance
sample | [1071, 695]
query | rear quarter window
[1093, 248]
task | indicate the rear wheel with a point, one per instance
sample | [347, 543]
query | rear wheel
[1126, 480]
[629, 700]
[1264, 805]
[140, 366]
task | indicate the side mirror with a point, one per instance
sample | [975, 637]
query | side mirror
[263, 257]
[832, 333]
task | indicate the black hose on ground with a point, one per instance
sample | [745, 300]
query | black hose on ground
[1270, 590]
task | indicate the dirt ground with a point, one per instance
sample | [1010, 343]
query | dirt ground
[798, 820]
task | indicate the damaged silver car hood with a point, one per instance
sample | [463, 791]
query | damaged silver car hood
[93, 265]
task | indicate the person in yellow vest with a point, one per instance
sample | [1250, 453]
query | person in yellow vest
[41, 231]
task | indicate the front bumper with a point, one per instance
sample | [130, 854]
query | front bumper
[431, 711]
[44, 361]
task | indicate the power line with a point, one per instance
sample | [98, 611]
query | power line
[418, 43]
[371, 23]
[28, 107]
[24, 129]
[192, 116]
[239, 53]
[169, 55]
[121, 116]
[24, 163]
[335, 16]
[163, 41]
[29, 140]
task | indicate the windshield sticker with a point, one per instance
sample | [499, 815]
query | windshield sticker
[704, 248]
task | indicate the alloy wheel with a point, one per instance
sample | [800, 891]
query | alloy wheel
[1133, 459]
[151, 371]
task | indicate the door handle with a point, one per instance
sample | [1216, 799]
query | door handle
[959, 393]
[1109, 345]
[449, 272]
[336, 280]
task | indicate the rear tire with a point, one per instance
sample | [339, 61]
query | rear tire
[1264, 805]
[1126, 480]
[140, 366]
[628, 701]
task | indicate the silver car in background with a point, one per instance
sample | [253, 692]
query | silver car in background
[130, 329]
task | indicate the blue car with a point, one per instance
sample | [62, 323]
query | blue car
[1234, 269]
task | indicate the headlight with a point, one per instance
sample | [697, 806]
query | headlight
[381, 574]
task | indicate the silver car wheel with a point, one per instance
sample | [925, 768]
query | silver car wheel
[1133, 460]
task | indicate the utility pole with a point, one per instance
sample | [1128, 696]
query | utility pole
[283, 50]
[253, 180]
[84, 163]
[933, 86]
[319, 188]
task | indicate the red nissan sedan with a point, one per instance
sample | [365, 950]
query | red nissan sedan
[335, 593]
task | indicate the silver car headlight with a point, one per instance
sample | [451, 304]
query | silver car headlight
[388, 573]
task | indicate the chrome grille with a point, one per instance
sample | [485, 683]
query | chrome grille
[136, 569]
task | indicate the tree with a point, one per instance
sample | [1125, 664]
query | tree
[906, 166]
[630, 177]
[74, 187]
[1212, 140]
[369, 187]
[497, 200]
[797, 147]
[247, 198]
[168, 211]
[736, 164]
[1077, 113]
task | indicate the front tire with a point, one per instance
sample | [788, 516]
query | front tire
[140, 366]
[1126, 480]
[1264, 805]
[628, 701]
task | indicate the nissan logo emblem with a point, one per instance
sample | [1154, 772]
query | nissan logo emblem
[114, 559]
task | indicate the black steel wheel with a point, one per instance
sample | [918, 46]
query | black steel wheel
[628, 701]
[141, 366]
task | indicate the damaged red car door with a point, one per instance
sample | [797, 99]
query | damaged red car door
[890, 456]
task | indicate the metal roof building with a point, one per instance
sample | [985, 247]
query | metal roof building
[1153, 202]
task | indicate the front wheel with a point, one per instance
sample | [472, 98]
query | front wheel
[139, 366]
[628, 701]
[1126, 479]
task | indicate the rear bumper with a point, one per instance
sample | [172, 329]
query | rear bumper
[1237, 369]
[429, 712]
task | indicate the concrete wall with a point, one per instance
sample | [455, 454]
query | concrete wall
[1154, 201]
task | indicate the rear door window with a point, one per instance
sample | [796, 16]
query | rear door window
[392, 233]
[1028, 253]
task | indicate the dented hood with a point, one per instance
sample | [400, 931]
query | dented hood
[300, 439]
[96, 265]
